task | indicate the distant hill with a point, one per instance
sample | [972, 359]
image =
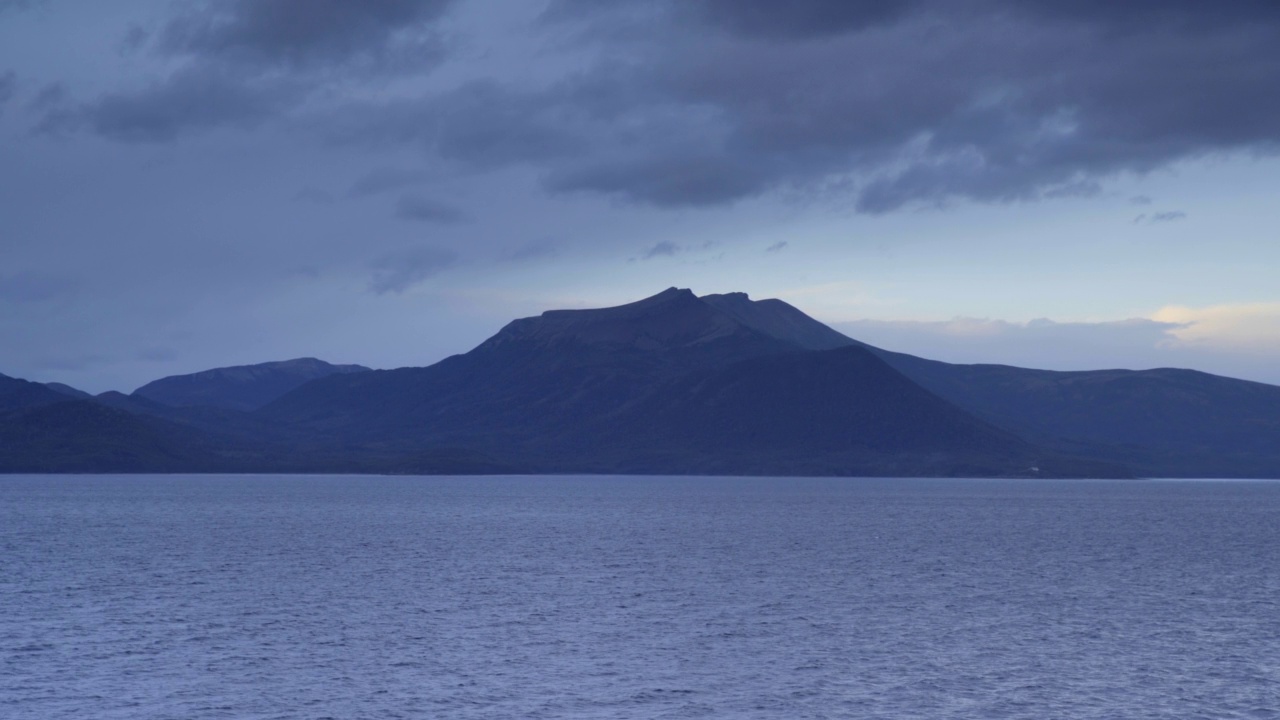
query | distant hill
[1164, 422]
[16, 394]
[68, 390]
[243, 387]
[84, 436]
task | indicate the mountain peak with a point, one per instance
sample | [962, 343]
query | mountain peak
[673, 318]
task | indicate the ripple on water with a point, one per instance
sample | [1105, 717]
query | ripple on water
[311, 597]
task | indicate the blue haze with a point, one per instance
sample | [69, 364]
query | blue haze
[583, 597]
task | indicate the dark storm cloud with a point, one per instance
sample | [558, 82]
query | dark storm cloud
[401, 271]
[798, 18]
[688, 103]
[247, 61]
[302, 33]
[196, 98]
[424, 209]
[925, 101]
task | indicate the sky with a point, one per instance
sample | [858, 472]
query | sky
[1062, 184]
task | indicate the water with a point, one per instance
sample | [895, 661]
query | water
[554, 597]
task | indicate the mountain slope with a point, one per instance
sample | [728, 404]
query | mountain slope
[1161, 422]
[777, 319]
[537, 377]
[85, 436]
[673, 383]
[841, 411]
[243, 387]
[17, 394]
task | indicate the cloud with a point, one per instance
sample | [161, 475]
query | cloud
[8, 86]
[242, 62]
[399, 272]
[1233, 340]
[1251, 327]
[1140, 200]
[542, 249]
[798, 18]
[424, 209]
[304, 34]
[662, 249]
[1160, 217]
[703, 103]
[16, 5]
[22, 288]
[190, 99]
[777, 247]
[936, 100]
[386, 179]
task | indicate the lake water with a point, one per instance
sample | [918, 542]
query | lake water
[584, 597]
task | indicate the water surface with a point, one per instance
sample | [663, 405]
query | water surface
[587, 597]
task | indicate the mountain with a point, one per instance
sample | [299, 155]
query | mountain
[85, 436]
[536, 377]
[777, 319]
[1163, 422]
[68, 390]
[670, 384]
[243, 387]
[17, 394]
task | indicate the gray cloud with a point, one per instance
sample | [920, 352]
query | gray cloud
[777, 247]
[543, 249]
[798, 18]
[662, 249]
[190, 99]
[917, 102]
[401, 271]
[303, 34]
[424, 209]
[1140, 200]
[1130, 344]
[386, 179]
[1160, 217]
[15, 5]
[22, 288]
[1038, 344]
[243, 62]
[8, 86]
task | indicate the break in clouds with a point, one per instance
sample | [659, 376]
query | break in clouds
[709, 102]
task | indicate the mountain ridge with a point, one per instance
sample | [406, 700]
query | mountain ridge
[674, 383]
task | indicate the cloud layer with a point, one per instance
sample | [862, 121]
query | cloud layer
[709, 102]
[1232, 340]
